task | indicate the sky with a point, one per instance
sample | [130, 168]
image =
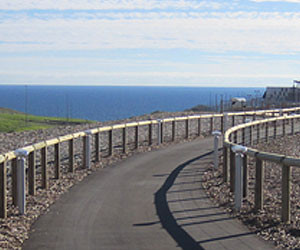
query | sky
[237, 43]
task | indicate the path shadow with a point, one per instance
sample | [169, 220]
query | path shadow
[169, 223]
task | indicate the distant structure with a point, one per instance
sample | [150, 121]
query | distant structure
[282, 96]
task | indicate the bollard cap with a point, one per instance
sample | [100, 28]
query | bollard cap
[239, 149]
[216, 133]
[21, 152]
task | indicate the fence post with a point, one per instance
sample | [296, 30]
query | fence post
[259, 179]
[257, 133]
[283, 127]
[21, 178]
[222, 124]
[150, 134]
[292, 126]
[87, 149]
[250, 135]
[110, 142]
[216, 135]
[232, 170]
[245, 176]
[31, 173]
[44, 168]
[136, 137]
[3, 190]
[71, 155]
[211, 124]
[225, 122]
[57, 160]
[275, 129]
[14, 182]
[225, 164]
[235, 136]
[267, 132]
[158, 131]
[233, 121]
[187, 128]
[238, 187]
[286, 190]
[162, 132]
[97, 146]
[243, 136]
[173, 130]
[124, 141]
[199, 126]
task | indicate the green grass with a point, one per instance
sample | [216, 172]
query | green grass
[14, 121]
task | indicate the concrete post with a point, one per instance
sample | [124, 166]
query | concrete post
[21, 179]
[238, 187]
[87, 149]
[217, 135]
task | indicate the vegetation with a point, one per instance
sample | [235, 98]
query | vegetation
[14, 121]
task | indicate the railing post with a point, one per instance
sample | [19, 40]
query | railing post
[110, 142]
[233, 121]
[21, 179]
[238, 187]
[3, 190]
[222, 124]
[225, 164]
[286, 190]
[257, 133]
[245, 176]
[199, 126]
[187, 128]
[44, 168]
[57, 160]
[259, 179]
[292, 126]
[235, 136]
[232, 170]
[283, 127]
[267, 132]
[31, 174]
[71, 155]
[225, 122]
[87, 149]
[250, 135]
[150, 134]
[97, 146]
[14, 181]
[243, 136]
[159, 125]
[124, 141]
[275, 129]
[211, 124]
[173, 130]
[216, 135]
[136, 146]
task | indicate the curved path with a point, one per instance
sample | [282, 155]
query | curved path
[149, 201]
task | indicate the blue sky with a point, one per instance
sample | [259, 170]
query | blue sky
[253, 43]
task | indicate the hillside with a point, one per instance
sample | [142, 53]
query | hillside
[15, 121]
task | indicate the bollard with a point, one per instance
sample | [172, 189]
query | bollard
[21, 179]
[159, 124]
[238, 187]
[217, 135]
[87, 149]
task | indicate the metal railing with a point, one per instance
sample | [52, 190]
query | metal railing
[21, 165]
[237, 146]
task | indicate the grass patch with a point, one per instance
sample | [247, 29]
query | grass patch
[14, 121]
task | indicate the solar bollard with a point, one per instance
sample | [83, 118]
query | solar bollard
[21, 179]
[238, 188]
[217, 135]
[87, 149]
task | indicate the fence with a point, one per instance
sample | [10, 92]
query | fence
[235, 170]
[18, 169]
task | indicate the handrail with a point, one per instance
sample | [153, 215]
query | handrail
[12, 156]
[285, 161]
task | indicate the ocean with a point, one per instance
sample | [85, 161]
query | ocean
[103, 103]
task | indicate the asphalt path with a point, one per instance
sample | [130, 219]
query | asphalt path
[151, 200]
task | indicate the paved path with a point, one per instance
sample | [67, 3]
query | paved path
[149, 201]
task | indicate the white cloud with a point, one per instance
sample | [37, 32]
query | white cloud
[106, 4]
[252, 32]
[284, 1]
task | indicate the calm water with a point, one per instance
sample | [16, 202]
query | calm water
[111, 103]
